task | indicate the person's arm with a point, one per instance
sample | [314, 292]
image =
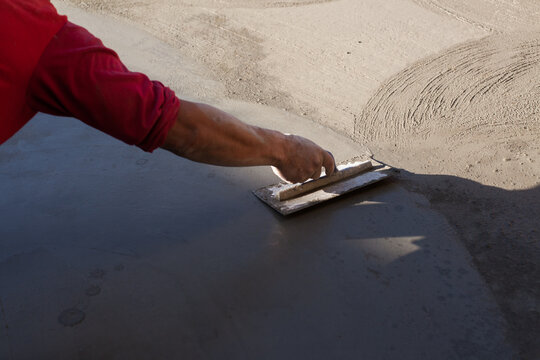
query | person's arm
[205, 134]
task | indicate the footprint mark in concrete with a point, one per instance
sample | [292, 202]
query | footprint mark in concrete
[71, 317]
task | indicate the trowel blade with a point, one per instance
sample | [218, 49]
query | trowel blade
[269, 194]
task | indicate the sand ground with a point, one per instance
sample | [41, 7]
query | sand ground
[449, 91]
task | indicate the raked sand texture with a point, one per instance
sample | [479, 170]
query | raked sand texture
[447, 90]
[422, 63]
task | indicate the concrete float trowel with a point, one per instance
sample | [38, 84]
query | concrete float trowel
[350, 175]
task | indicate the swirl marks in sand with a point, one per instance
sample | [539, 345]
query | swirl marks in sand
[467, 91]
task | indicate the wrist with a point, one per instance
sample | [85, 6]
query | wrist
[277, 148]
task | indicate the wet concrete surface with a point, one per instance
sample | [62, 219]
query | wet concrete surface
[107, 252]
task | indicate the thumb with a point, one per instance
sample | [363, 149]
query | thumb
[329, 163]
[278, 173]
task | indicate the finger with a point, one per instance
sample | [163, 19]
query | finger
[316, 174]
[329, 163]
[278, 173]
[290, 177]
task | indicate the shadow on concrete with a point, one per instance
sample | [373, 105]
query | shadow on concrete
[501, 230]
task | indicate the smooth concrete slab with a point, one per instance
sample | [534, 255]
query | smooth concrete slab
[107, 252]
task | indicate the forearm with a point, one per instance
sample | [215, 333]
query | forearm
[205, 134]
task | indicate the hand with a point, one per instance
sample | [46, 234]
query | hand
[302, 159]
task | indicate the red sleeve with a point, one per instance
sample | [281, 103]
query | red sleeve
[26, 27]
[77, 76]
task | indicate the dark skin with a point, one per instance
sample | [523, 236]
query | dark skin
[205, 134]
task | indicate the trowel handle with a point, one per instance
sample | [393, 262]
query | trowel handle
[312, 185]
